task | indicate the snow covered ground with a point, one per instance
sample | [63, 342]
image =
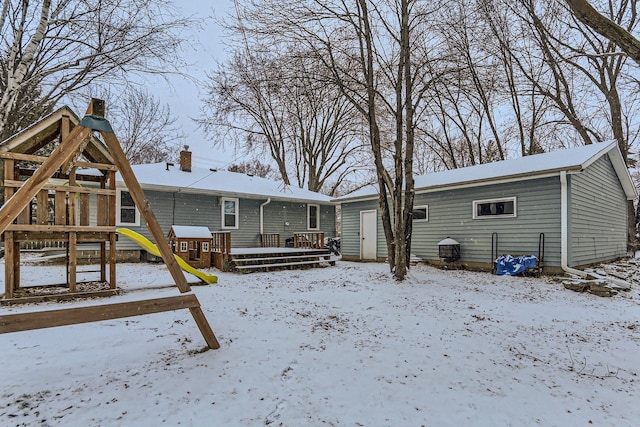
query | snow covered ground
[337, 346]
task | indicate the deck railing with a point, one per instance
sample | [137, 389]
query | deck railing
[42, 244]
[271, 240]
[309, 240]
[220, 249]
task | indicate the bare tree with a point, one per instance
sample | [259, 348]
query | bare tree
[275, 103]
[243, 101]
[147, 129]
[379, 55]
[607, 27]
[252, 167]
[53, 48]
[325, 129]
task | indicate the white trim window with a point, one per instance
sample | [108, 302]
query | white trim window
[126, 211]
[420, 213]
[313, 217]
[230, 212]
[495, 208]
[205, 246]
[184, 246]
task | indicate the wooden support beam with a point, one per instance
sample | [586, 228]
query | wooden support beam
[16, 265]
[8, 176]
[23, 196]
[110, 216]
[41, 159]
[103, 263]
[60, 208]
[9, 273]
[62, 188]
[63, 228]
[42, 210]
[58, 236]
[72, 262]
[71, 316]
[71, 199]
[102, 214]
[85, 209]
[153, 226]
[146, 213]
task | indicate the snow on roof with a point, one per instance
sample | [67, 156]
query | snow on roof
[159, 176]
[528, 166]
[196, 232]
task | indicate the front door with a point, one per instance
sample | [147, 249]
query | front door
[368, 235]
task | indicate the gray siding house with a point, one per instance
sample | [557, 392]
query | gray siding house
[246, 206]
[577, 198]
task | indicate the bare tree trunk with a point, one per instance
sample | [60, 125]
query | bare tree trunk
[367, 50]
[407, 217]
[604, 26]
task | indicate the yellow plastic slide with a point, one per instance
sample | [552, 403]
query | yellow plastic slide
[148, 246]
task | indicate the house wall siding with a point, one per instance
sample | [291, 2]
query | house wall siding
[350, 235]
[287, 218]
[598, 215]
[450, 215]
[205, 210]
[162, 206]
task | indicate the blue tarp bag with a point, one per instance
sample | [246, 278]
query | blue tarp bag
[508, 264]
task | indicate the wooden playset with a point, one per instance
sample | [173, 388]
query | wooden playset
[50, 198]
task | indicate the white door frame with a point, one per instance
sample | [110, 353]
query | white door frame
[369, 238]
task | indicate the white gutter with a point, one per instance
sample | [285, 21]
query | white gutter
[262, 205]
[564, 227]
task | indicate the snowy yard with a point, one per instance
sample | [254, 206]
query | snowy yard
[338, 346]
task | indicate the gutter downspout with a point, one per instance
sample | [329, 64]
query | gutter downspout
[262, 205]
[564, 227]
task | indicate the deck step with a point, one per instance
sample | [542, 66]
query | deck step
[281, 264]
[274, 258]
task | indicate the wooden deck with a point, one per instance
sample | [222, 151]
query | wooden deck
[265, 259]
[307, 251]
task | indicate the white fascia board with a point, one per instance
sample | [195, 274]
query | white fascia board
[623, 173]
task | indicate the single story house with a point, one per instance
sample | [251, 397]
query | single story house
[574, 202]
[253, 209]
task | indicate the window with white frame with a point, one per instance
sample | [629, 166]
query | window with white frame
[420, 213]
[127, 213]
[313, 217]
[205, 246]
[230, 212]
[184, 246]
[494, 208]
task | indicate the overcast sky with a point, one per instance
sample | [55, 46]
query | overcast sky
[182, 95]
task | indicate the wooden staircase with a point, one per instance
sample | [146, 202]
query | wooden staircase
[276, 259]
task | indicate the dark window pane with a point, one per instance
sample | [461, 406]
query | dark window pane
[229, 220]
[313, 217]
[128, 215]
[419, 214]
[125, 199]
[495, 208]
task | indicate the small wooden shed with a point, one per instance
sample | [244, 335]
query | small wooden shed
[192, 244]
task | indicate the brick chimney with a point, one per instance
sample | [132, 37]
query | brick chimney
[185, 159]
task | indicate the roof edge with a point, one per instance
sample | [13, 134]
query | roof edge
[173, 189]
